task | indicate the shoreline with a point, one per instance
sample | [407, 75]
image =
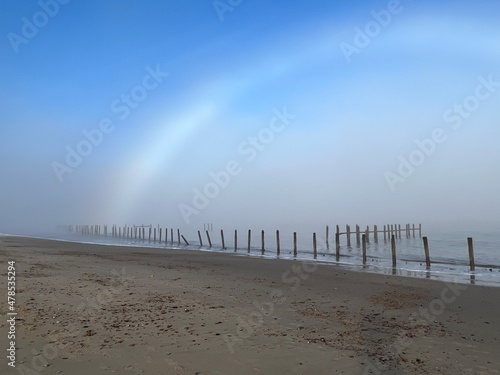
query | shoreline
[102, 309]
[485, 274]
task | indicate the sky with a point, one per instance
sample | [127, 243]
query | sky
[249, 114]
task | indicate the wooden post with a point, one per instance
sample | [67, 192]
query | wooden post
[358, 237]
[385, 233]
[315, 250]
[426, 250]
[166, 234]
[327, 238]
[135, 232]
[294, 244]
[159, 235]
[471, 253]
[393, 249]
[277, 242]
[337, 238]
[399, 230]
[154, 236]
[171, 235]
[367, 233]
[249, 238]
[413, 230]
[375, 233]
[222, 238]
[337, 246]
[149, 237]
[420, 230]
[143, 233]
[178, 236]
[262, 240]
[184, 239]
[199, 237]
[364, 248]
[209, 241]
[235, 240]
[348, 234]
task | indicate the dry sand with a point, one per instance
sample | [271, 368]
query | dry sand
[88, 309]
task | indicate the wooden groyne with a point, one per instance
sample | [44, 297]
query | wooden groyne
[388, 233]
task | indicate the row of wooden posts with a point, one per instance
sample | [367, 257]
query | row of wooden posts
[129, 232]
[391, 232]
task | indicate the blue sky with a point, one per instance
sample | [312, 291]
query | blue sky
[353, 119]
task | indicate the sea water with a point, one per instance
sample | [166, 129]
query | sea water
[448, 251]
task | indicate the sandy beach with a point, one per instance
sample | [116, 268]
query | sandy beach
[88, 309]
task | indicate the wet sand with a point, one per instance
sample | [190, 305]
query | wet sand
[89, 309]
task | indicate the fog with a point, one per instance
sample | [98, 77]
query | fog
[283, 116]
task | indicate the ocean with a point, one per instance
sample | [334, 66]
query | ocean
[448, 251]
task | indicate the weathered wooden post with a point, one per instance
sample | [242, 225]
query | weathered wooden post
[426, 250]
[358, 236]
[385, 233]
[209, 241]
[327, 238]
[393, 249]
[367, 234]
[337, 246]
[420, 230]
[249, 238]
[337, 238]
[471, 254]
[375, 233]
[364, 248]
[399, 226]
[159, 235]
[166, 235]
[199, 237]
[315, 249]
[222, 238]
[184, 239]
[154, 236]
[178, 236]
[413, 230]
[149, 237]
[235, 240]
[171, 235]
[348, 233]
[262, 240]
[278, 250]
[295, 244]
[143, 233]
